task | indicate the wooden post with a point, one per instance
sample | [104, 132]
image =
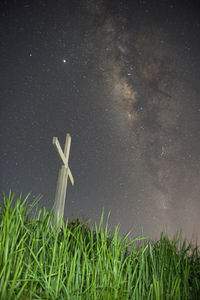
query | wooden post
[64, 174]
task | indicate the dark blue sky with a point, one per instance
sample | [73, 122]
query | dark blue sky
[124, 80]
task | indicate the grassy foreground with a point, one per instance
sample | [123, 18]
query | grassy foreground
[37, 261]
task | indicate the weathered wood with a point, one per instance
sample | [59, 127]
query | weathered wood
[64, 157]
[63, 175]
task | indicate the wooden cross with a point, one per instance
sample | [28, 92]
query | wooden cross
[63, 175]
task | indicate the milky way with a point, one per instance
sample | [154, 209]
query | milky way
[146, 74]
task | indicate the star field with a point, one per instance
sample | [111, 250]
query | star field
[123, 80]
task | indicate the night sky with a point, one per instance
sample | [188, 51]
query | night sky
[123, 78]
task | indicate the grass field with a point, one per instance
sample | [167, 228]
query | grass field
[38, 261]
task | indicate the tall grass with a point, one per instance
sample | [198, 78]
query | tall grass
[39, 261]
